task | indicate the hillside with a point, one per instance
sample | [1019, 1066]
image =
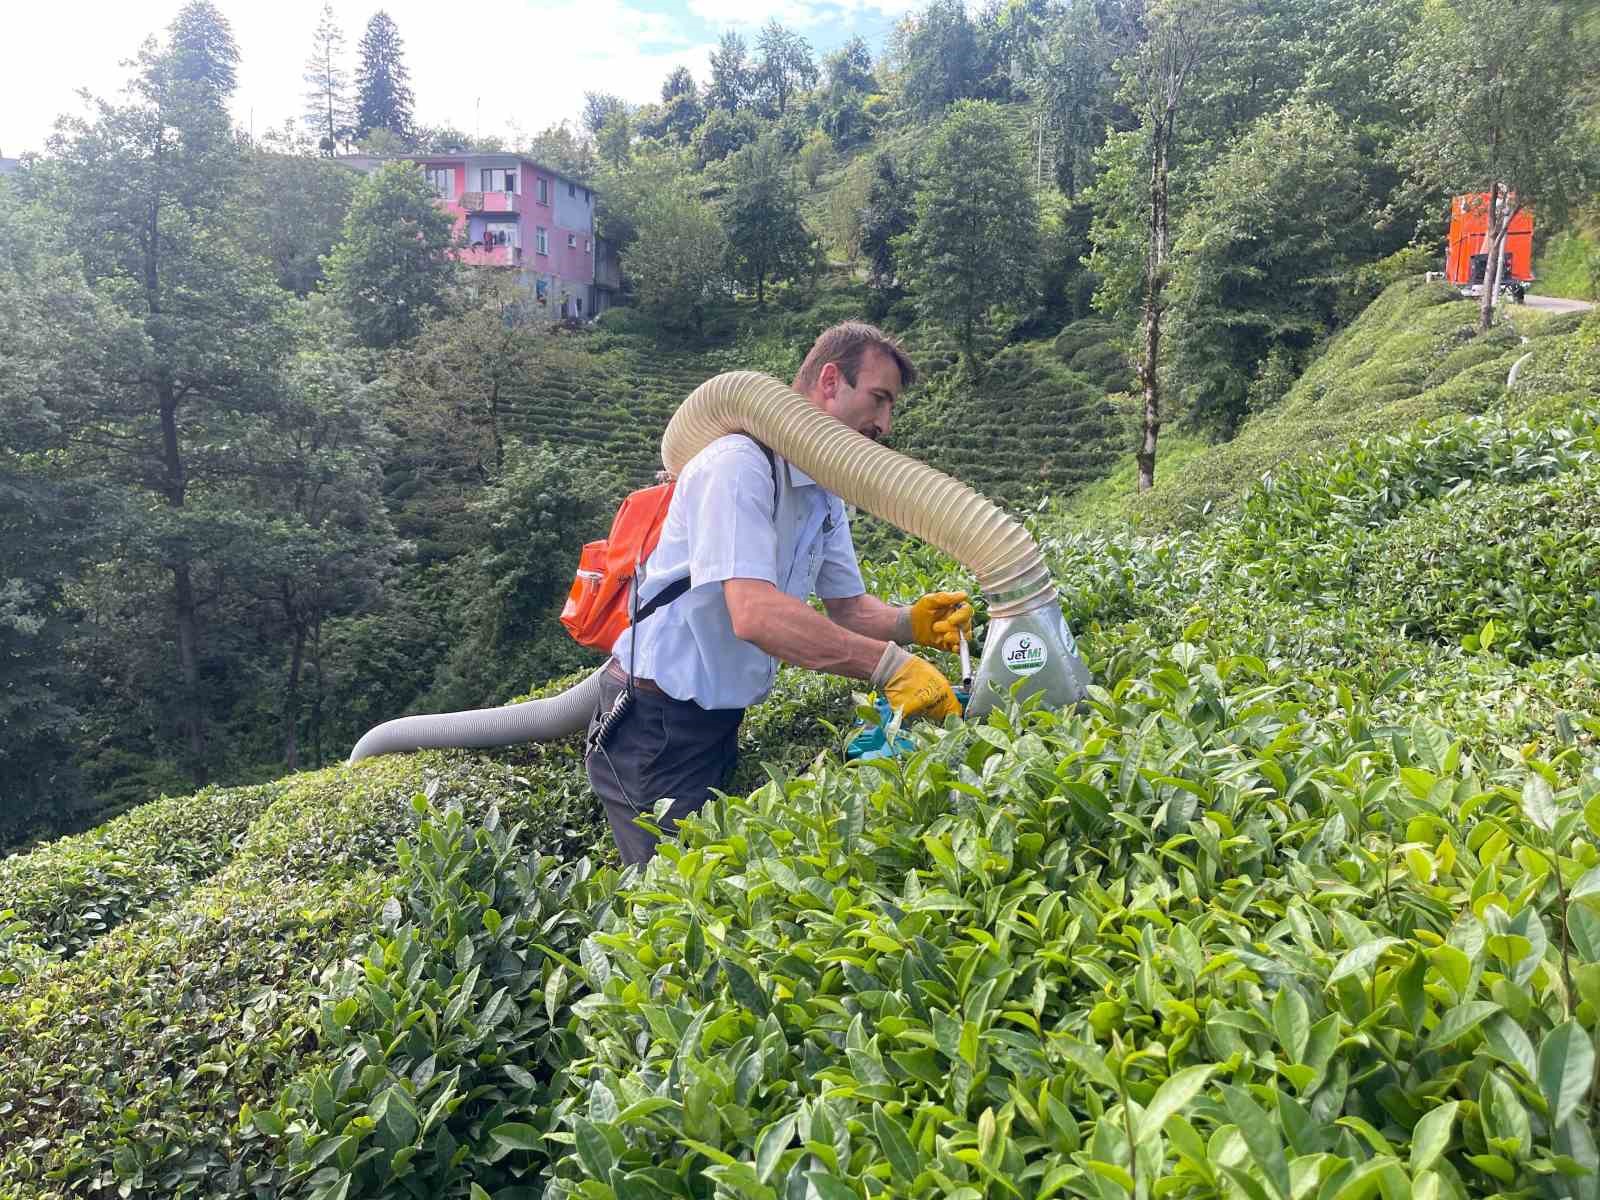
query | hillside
[1304, 902]
[1412, 356]
[1029, 424]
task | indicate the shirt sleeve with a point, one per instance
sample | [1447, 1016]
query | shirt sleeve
[728, 506]
[839, 577]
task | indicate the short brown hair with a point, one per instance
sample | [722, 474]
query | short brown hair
[844, 345]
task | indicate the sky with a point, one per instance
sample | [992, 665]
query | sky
[498, 68]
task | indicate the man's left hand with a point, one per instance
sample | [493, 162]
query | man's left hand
[939, 620]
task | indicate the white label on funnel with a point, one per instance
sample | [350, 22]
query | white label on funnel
[1023, 653]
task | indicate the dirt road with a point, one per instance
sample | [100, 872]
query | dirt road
[1558, 305]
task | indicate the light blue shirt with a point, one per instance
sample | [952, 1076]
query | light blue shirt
[722, 524]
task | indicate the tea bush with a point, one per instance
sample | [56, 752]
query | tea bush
[1517, 567]
[1192, 935]
[1412, 356]
[1298, 905]
[126, 1069]
[58, 899]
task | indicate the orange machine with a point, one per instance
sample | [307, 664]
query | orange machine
[1469, 227]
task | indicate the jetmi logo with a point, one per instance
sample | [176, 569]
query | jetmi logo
[1023, 653]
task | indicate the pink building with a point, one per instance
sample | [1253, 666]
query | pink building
[515, 214]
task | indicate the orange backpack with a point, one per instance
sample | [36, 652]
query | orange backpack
[596, 611]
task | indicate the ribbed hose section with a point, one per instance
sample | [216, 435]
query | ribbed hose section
[911, 495]
[533, 721]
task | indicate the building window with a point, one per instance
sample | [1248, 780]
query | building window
[498, 179]
[543, 240]
[572, 241]
[440, 179]
[544, 191]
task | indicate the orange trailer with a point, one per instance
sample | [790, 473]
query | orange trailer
[1468, 252]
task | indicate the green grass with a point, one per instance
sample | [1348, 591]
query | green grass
[1414, 355]
[1568, 265]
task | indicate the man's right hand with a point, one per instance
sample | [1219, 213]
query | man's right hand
[914, 686]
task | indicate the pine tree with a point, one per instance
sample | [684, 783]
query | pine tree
[328, 114]
[149, 184]
[202, 52]
[383, 84]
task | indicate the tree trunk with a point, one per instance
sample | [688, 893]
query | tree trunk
[1491, 242]
[185, 615]
[494, 426]
[1154, 304]
[316, 694]
[291, 702]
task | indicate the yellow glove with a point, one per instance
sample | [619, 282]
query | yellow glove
[937, 618]
[914, 686]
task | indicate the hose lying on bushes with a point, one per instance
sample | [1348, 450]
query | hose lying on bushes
[911, 495]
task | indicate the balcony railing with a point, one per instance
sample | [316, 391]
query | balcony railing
[492, 256]
[492, 202]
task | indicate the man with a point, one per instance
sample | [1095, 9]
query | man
[755, 536]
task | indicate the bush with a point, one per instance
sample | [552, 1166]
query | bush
[1524, 558]
[61, 897]
[1081, 335]
[1106, 364]
[138, 1064]
[1007, 956]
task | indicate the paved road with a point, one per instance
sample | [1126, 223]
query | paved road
[1558, 305]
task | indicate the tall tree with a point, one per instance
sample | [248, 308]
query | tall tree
[59, 346]
[1069, 73]
[202, 52]
[383, 84]
[767, 238]
[559, 147]
[600, 109]
[1181, 40]
[849, 68]
[1259, 257]
[681, 110]
[321, 478]
[1497, 95]
[785, 67]
[888, 214]
[328, 113]
[393, 268]
[971, 254]
[729, 88]
[677, 265]
[291, 213]
[149, 185]
[942, 61]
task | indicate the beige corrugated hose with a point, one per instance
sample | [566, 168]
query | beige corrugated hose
[911, 495]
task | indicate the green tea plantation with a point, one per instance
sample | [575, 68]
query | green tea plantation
[1304, 903]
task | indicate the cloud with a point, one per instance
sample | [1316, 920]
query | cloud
[488, 69]
[808, 16]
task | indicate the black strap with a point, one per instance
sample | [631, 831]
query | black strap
[679, 586]
[662, 598]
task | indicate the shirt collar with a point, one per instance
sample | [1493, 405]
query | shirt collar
[798, 478]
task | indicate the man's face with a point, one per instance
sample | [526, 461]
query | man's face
[866, 406]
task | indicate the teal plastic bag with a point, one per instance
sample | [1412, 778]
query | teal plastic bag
[873, 740]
